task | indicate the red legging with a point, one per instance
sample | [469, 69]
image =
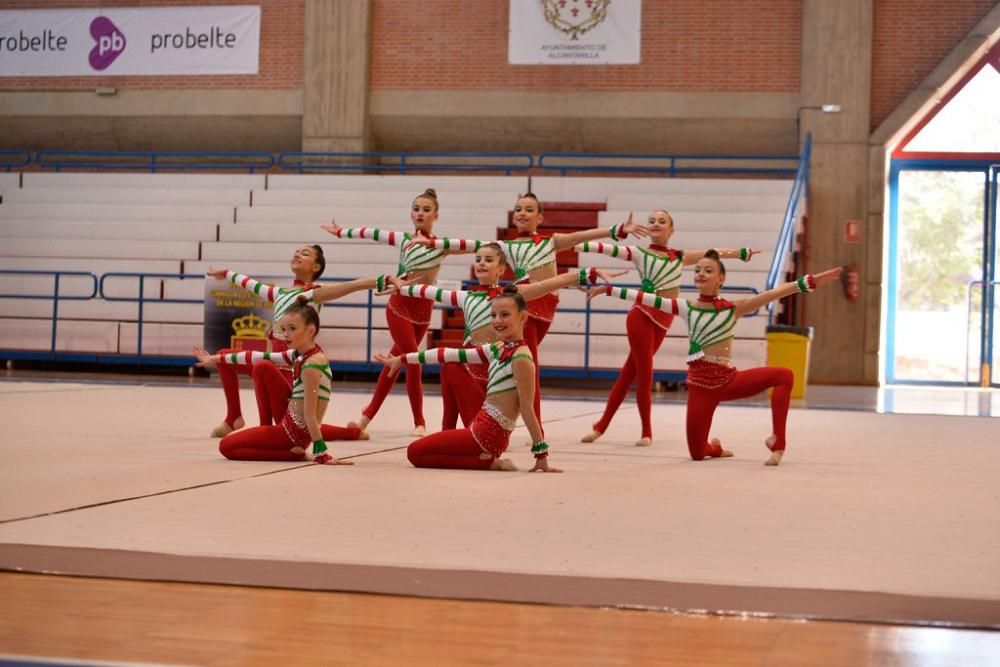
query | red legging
[644, 338]
[272, 386]
[448, 449]
[271, 443]
[702, 403]
[405, 338]
[534, 334]
[229, 375]
[461, 394]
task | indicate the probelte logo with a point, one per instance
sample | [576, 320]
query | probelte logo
[110, 43]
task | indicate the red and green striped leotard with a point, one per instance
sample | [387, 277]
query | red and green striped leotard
[283, 298]
[708, 323]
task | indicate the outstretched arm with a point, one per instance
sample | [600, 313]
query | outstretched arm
[430, 292]
[436, 355]
[326, 293]
[742, 254]
[367, 233]
[581, 276]
[246, 282]
[674, 306]
[245, 357]
[616, 232]
[450, 246]
[623, 252]
[806, 283]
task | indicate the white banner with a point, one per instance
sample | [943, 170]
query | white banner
[110, 42]
[574, 32]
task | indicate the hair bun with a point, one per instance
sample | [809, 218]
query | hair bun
[509, 289]
[430, 192]
[302, 300]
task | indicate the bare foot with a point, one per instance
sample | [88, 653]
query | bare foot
[725, 452]
[592, 436]
[363, 435]
[643, 442]
[418, 431]
[503, 464]
[361, 424]
[225, 429]
[776, 454]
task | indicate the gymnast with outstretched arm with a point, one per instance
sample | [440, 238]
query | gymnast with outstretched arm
[659, 268]
[463, 386]
[408, 318]
[509, 393]
[300, 435]
[711, 377]
[532, 257]
[307, 265]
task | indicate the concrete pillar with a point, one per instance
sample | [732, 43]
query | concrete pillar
[836, 69]
[335, 113]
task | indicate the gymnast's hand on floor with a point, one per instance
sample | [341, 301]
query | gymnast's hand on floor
[391, 362]
[542, 465]
[205, 360]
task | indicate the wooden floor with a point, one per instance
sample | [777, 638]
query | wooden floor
[116, 620]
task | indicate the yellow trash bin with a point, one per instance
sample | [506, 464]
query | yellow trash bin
[789, 347]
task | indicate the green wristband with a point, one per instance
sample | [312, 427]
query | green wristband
[319, 447]
[745, 254]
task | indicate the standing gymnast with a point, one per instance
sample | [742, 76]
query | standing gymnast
[659, 269]
[463, 386]
[532, 257]
[301, 434]
[509, 392]
[407, 318]
[308, 264]
[712, 378]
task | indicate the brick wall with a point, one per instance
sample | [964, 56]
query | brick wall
[280, 51]
[911, 38]
[687, 45]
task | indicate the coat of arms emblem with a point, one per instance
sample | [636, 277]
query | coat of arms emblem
[575, 17]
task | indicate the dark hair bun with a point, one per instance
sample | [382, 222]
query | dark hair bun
[302, 300]
[430, 192]
[510, 289]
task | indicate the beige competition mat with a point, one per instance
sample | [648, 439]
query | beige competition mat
[874, 517]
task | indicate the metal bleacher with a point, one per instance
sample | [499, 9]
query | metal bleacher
[106, 232]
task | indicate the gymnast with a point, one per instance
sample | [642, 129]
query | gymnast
[463, 386]
[301, 434]
[509, 393]
[532, 257]
[659, 269]
[307, 266]
[711, 377]
[408, 318]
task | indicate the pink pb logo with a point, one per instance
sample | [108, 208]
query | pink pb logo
[110, 43]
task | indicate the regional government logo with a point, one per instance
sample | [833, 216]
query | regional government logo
[575, 17]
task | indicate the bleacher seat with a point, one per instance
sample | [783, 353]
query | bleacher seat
[185, 223]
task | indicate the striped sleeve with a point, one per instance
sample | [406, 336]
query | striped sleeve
[443, 355]
[674, 306]
[432, 293]
[457, 244]
[373, 234]
[264, 290]
[623, 252]
[251, 357]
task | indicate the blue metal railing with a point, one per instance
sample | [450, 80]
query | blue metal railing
[402, 163]
[100, 288]
[153, 161]
[55, 296]
[786, 238]
[668, 164]
[13, 159]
